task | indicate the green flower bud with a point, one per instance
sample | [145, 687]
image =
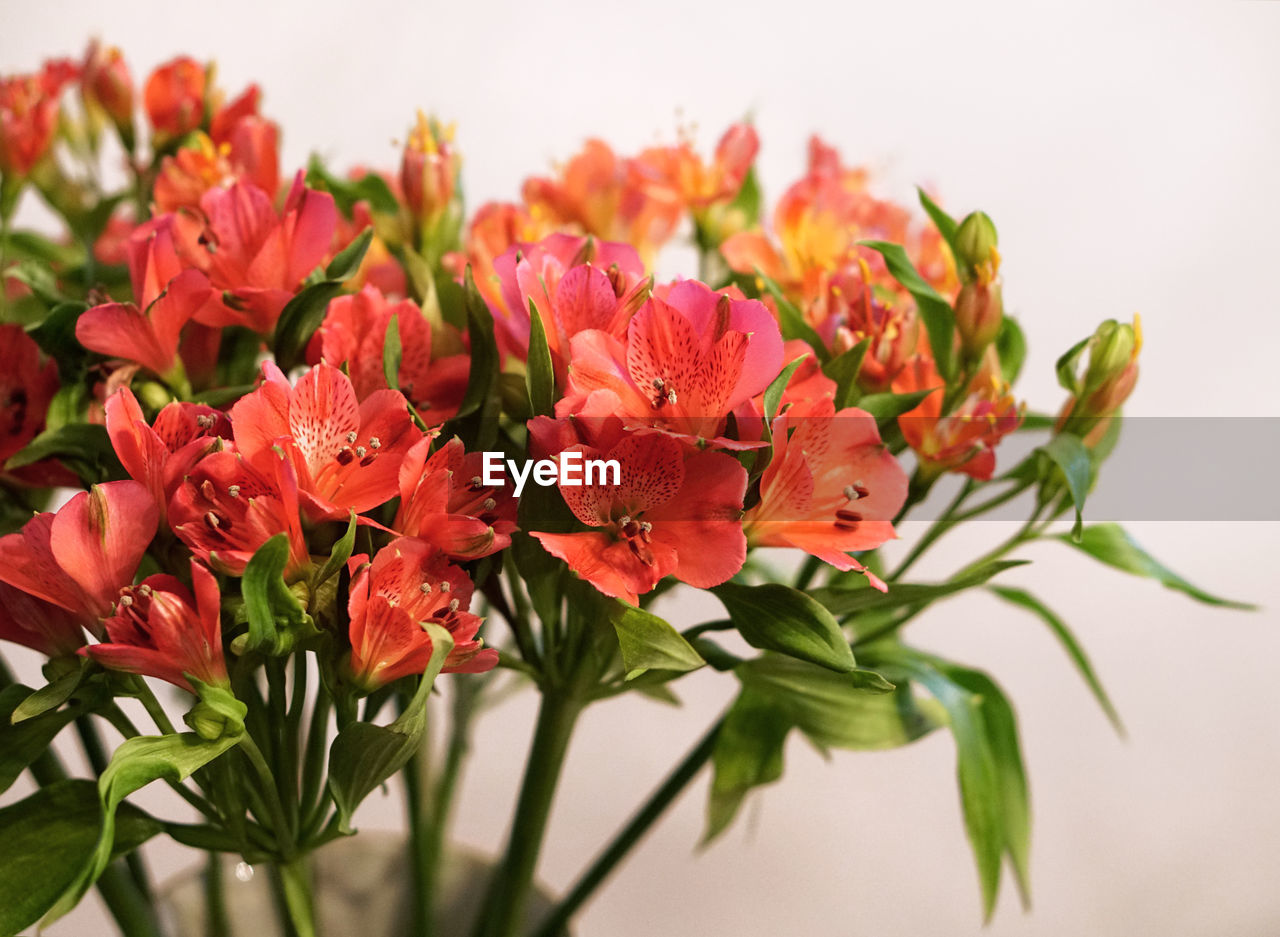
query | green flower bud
[217, 715]
[975, 243]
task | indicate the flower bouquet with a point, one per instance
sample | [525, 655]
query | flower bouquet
[321, 454]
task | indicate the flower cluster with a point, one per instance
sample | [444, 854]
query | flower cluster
[278, 394]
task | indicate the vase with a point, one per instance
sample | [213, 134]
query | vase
[361, 886]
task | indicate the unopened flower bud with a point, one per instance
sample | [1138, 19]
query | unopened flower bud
[106, 84]
[429, 170]
[218, 713]
[1113, 347]
[979, 312]
[975, 242]
[174, 97]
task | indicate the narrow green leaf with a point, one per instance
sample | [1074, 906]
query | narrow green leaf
[748, 199]
[365, 755]
[1066, 367]
[299, 320]
[844, 369]
[1068, 452]
[23, 743]
[775, 617]
[370, 188]
[791, 319]
[50, 696]
[340, 553]
[887, 406]
[48, 838]
[650, 643]
[939, 320]
[1075, 651]
[484, 350]
[540, 376]
[1111, 544]
[347, 261]
[748, 754]
[82, 445]
[773, 393]
[392, 353]
[135, 764]
[1011, 348]
[56, 336]
[38, 278]
[945, 224]
[901, 595]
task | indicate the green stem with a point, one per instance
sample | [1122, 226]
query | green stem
[154, 709]
[133, 912]
[295, 877]
[631, 834]
[417, 782]
[96, 754]
[509, 890]
[215, 898]
[270, 795]
[313, 795]
[810, 569]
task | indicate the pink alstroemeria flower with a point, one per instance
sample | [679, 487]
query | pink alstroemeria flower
[575, 283]
[443, 501]
[410, 584]
[676, 512]
[345, 453]
[42, 626]
[689, 359]
[160, 629]
[80, 557]
[830, 489]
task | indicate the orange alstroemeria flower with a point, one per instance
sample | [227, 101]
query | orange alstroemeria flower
[29, 115]
[174, 97]
[677, 175]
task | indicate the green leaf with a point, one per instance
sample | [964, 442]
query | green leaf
[844, 369]
[484, 350]
[887, 406]
[135, 764]
[50, 696]
[748, 753]
[48, 838]
[299, 320]
[1068, 452]
[939, 320]
[775, 617]
[85, 448]
[650, 643]
[945, 224]
[1066, 367]
[791, 319]
[540, 376]
[858, 711]
[900, 595]
[1075, 651]
[340, 553]
[347, 261]
[56, 336]
[392, 353]
[23, 743]
[1111, 544]
[277, 620]
[1011, 348]
[748, 199]
[370, 188]
[365, 755]
[977, 771]
[773, 393]
[39, 279]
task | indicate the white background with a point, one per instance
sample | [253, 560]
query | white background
[1128, 155]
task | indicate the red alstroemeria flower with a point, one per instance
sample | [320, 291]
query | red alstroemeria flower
[228, 507]
[160, 629]
[174, 97]
[848, 312]
[256, 257]
[443, 501]
[149, 331]
[161, 454]
[26, 387]
[80, 557]
[42, 626]
[345, 453]
[408, 584]
[29, 116]
[689, 359]
[354, 332]
[105, 83]
[676, 513]
[575, 283]
[830, 489]
[966, 438]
